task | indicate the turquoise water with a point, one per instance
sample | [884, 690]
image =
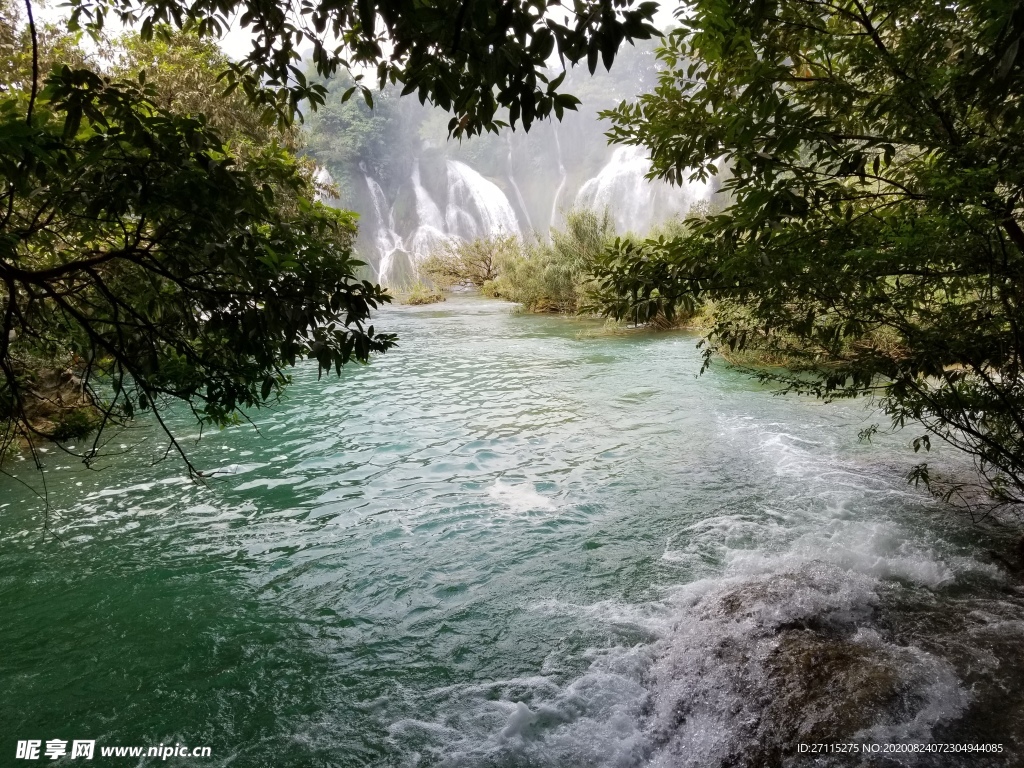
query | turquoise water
[512, 541]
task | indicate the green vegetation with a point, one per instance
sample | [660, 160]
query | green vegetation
[555, 276]
[443, 51]
[350, 138]
[422, 294]
[542, 277]
[159, 240]
[874, 235]
[470, 264]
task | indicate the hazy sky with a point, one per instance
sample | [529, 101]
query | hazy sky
[236, 43]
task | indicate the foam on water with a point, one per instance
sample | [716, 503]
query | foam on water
[699, 694]
[520, 498]
[544, 550]
[776, 639]
[590, 721]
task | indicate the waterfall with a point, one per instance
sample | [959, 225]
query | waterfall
[390, 248]
[621, 187]
[430, 232]
[322, 179]
[512, 183]
[476, 206]
[385, 216]
[635, 203]
[561, 184]
[426, 209]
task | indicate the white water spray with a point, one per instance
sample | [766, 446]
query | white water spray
[430, 233]
[634, 202]
[390, 247]
[561, 184]
[476, 206]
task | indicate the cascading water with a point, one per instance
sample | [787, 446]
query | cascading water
[563, 176]
[634, 202]
[622, 189]
[426, 209]
[390, 248]
[476, 206]
[443, 199]
[322, 180]
[430, 233]
[515, 187]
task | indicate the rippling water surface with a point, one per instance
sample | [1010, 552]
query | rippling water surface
[509, 542]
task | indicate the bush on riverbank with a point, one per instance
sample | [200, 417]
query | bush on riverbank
[470, 264]
[422, 293]
[555, 276]
[542, 277]
[53, 404]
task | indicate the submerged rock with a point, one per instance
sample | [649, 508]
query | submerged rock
[826, 689]
[759, 667]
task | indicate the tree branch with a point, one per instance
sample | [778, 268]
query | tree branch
[35, 61]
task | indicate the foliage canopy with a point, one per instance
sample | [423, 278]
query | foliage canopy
[159, 260]
[484, 61]
[876, 180]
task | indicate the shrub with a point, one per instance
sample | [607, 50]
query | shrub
[76, 424]
[423, 294]
[470, 264]
[555, 276]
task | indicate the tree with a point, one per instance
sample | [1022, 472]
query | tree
[163, 239]
[876, 180]
[350, 138]
[445, 51]
[472, 264]
[158, 260]
[182, 71]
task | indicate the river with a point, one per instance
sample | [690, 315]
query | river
[512, 541]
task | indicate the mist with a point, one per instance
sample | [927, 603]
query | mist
[414, 188]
